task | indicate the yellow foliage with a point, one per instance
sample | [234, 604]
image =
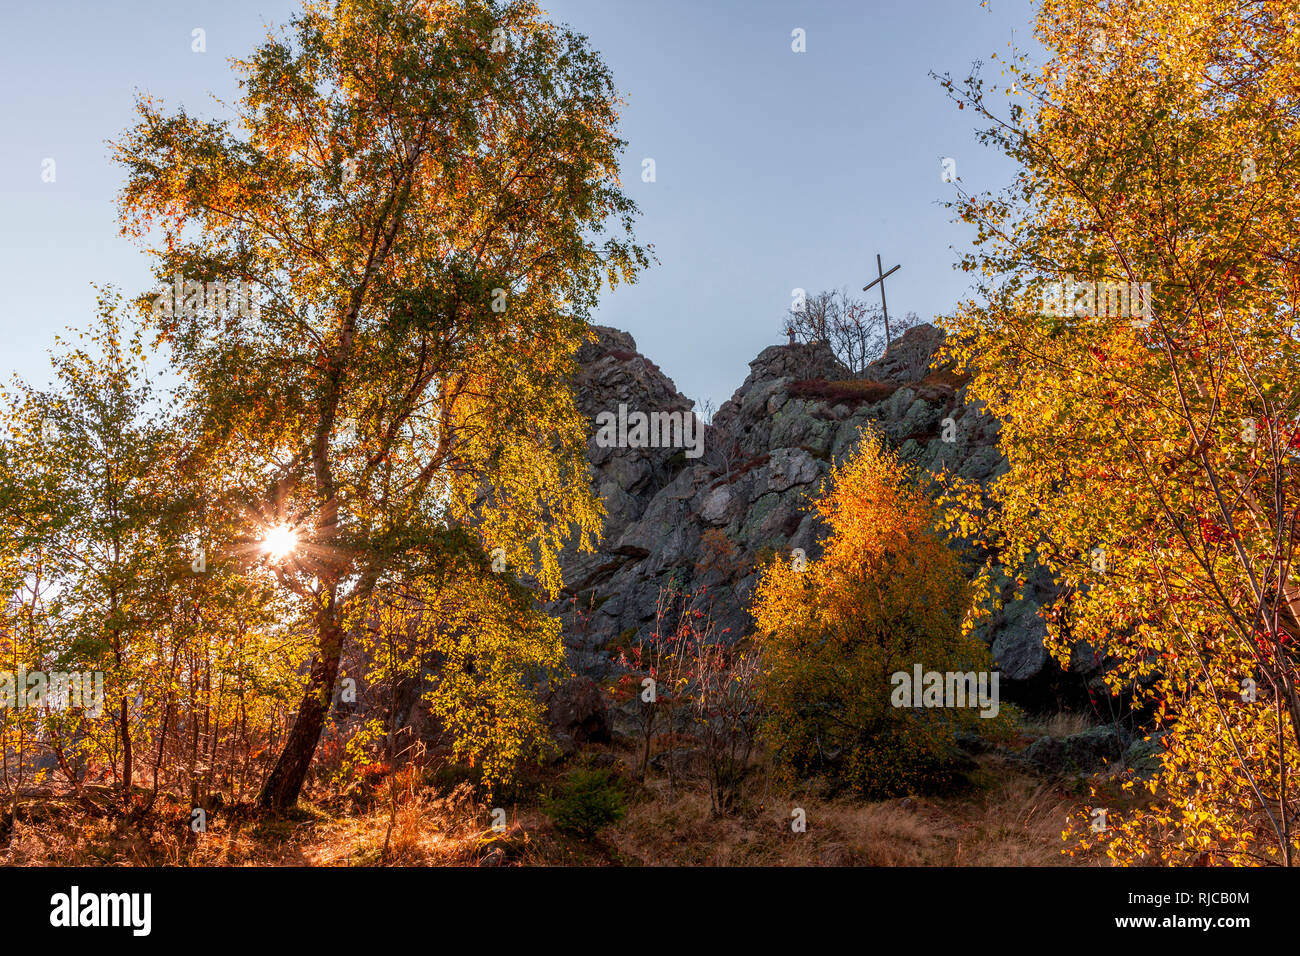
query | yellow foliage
[887, 594]
[1151, 455]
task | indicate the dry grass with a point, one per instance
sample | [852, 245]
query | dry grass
[852, 393]
[428, 830]
[1015, 821]
[1062, 724]
[1009, 818]
[934, 387]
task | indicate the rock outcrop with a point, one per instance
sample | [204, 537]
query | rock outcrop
[702, 525]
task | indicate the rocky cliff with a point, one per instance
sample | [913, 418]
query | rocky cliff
[702, 525]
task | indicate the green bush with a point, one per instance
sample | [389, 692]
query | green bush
[587, 800]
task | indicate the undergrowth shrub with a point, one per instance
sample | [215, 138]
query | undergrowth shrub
[585, 801]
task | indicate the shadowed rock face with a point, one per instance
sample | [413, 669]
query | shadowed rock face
[705, 523]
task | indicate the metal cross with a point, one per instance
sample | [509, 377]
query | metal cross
[881, 280]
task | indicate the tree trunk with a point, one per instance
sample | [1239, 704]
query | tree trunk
[283, 785]
[127, 770]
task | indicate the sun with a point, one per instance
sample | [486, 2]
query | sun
[280, 542]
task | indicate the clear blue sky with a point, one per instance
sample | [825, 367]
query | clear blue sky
[775, 169]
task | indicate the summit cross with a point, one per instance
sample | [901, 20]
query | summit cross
[880, 279]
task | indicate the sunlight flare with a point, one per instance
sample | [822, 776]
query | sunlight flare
[280, 542]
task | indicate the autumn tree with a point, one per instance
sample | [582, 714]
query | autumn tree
[81, 500]
[105, 570]
[886, 595]
[420, 191]
[1135, 335]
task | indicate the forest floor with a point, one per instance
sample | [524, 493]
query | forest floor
[1005, 816]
